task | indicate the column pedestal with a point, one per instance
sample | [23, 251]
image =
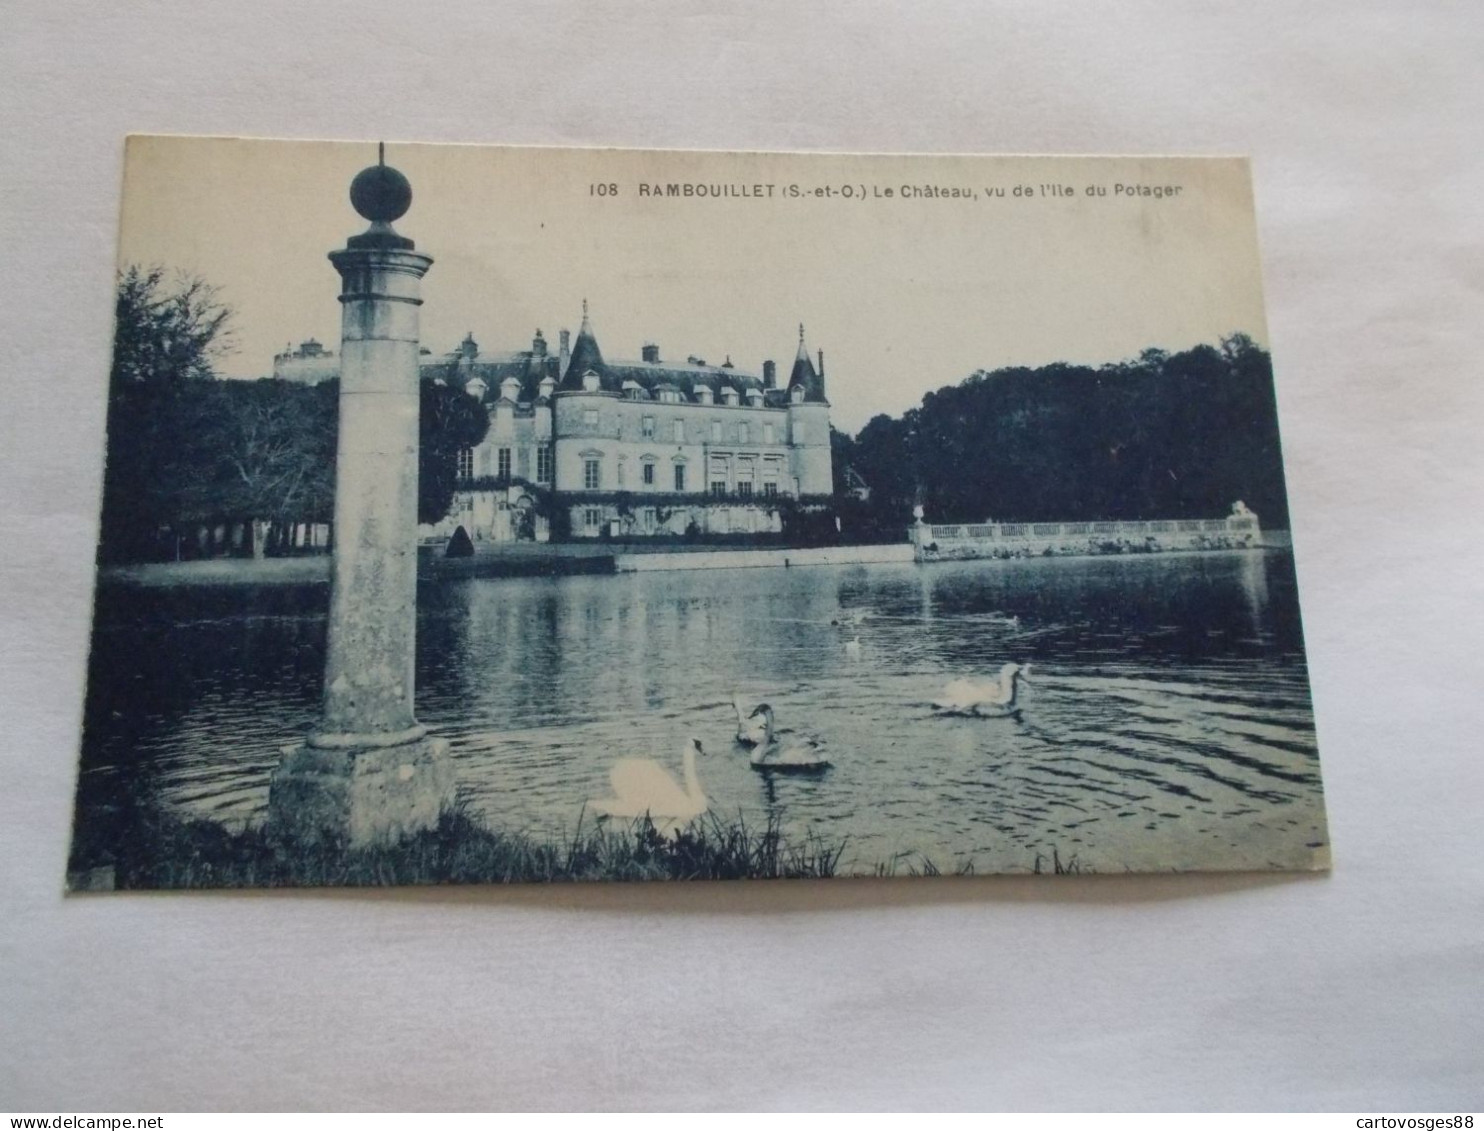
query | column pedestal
[358, 797]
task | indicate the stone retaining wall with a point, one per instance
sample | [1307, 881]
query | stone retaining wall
[741, 559]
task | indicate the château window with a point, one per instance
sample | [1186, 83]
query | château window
[622, 470]
[799, 432]
[543, 464]
[590, 417]
[718, 487]
[466, 463]
[677, 430]
[744, 488]
[742, 435]
[592, 475]
[592, 517]
[716, 431]
[768, 434]
[647, 431]
[503, 468]
[649, 475]
[680, 477]
[770, 489]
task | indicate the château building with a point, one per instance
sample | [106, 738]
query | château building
[582, 447]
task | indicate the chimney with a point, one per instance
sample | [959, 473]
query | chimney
[651, 353]
[821, 363]
[538, 344]
[468, 347]
[770, 375]
[566, 352]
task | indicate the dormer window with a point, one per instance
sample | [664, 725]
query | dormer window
[510, 389]
[590, 381]
[729, 395]
[703, 394]
[754, 396]
[796, 394]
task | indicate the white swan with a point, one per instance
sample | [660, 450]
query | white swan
[752, 727]
[772, 751]
[644, 788]
[985, 697]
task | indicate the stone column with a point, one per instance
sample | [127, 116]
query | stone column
[370, 772]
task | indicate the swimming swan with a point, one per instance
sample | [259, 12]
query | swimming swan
[785, 751]
[752, 727]
[985, 697]
[642, 787]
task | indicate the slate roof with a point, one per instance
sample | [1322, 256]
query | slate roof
[805, 374]
[526, 367]
[529, 368]
[585, 355]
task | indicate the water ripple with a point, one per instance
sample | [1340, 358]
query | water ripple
[1178, 677]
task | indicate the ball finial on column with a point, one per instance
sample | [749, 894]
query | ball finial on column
[381, 194]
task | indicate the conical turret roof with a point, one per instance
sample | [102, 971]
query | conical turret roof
[585, 356]
[804, 372]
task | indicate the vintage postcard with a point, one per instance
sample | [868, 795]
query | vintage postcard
[483, 514]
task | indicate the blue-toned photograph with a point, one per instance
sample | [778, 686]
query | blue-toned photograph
[486, 515]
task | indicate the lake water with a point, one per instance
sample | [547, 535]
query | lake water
[1168, 724]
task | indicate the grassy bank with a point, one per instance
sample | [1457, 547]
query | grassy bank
[162, 851]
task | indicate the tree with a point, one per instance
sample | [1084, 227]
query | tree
[167, 332]
[167, 336]
[1161, 436]
[187, 451]
[449, 421]
[274, 454]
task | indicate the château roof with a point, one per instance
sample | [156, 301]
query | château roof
[804, 372]
[642, 379]
[494, 369]
[685, 377]
[585, 355]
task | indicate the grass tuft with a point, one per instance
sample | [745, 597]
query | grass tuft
[163, 851]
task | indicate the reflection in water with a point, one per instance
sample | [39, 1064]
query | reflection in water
[1169, 722]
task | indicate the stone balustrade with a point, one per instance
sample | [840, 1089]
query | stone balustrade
[1238, 530]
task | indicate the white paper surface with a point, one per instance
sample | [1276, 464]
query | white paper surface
[1363, 990]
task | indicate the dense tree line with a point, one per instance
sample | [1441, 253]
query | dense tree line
[192, 458]
[1179, 435]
